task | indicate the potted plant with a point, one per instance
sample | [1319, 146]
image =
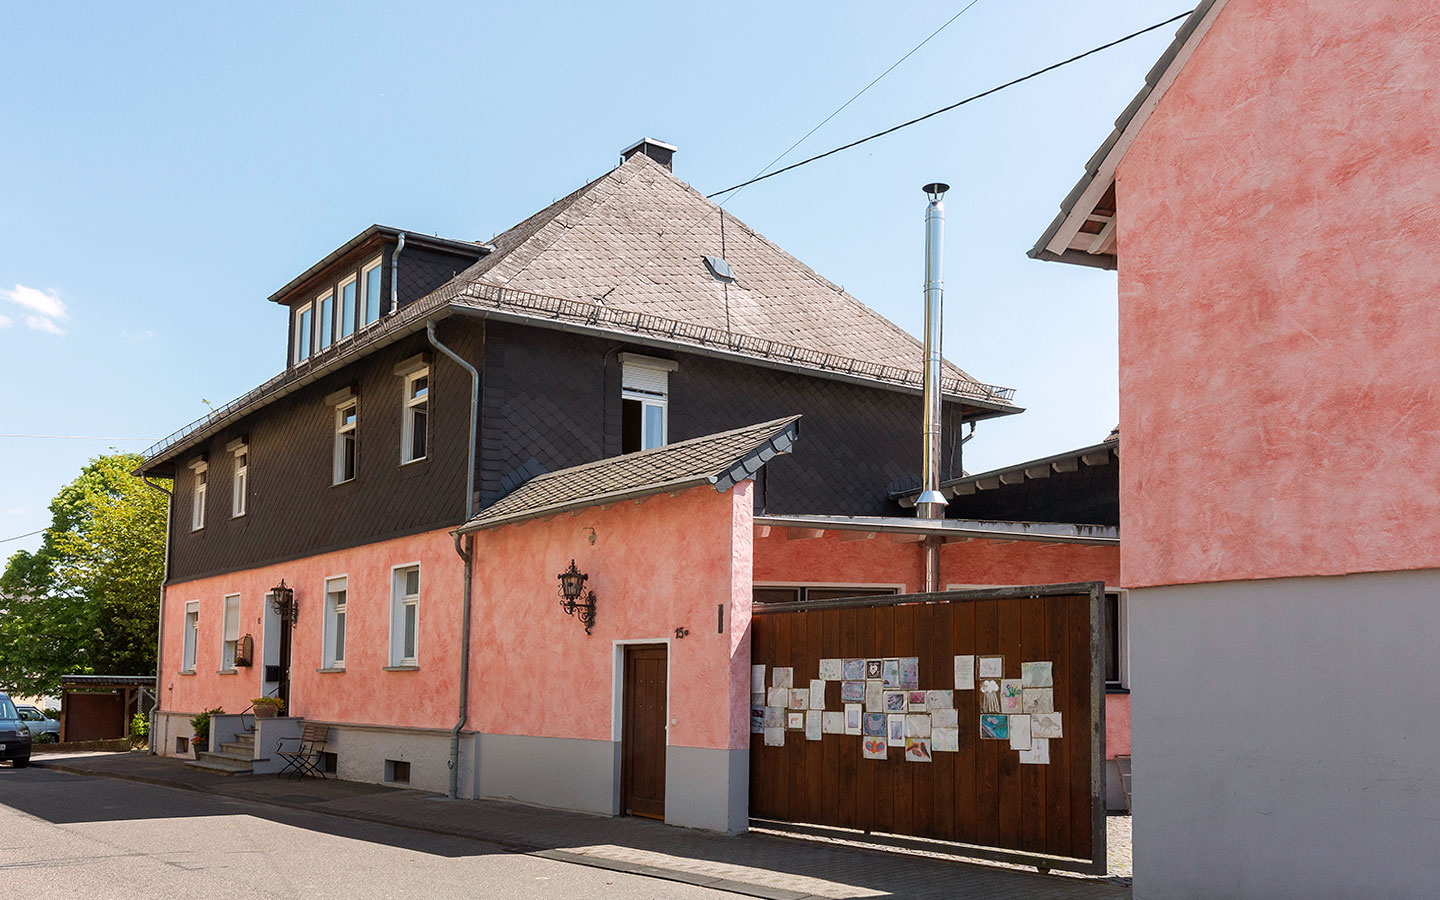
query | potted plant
[201, 723]
[267, 707]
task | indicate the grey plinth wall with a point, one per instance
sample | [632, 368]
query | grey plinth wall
[1286, 737]
[564, 773]
[707, 788]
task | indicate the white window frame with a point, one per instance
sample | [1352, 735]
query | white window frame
[346, 433]
[399, 600]
[201, 469]
[190, 637]
[229, 645]
[648, 399]
[365, 271]
[407, 424]
[335, 632]
[302, 349]
[340, 332]
[318, 322]
[239, 477]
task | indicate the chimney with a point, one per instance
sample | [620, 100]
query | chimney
[661, 152]
[931, 503]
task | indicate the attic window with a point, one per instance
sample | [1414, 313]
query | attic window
[719, 269]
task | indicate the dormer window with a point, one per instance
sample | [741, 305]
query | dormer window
[325, 303]
[348, 297]
[304, 320]
[370, 279]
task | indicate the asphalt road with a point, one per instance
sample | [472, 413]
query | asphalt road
[72, 836]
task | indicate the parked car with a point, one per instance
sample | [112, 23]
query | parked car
[43, 729]
[14, 734]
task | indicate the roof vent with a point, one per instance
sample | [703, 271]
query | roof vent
[661, 152]
[719, 269]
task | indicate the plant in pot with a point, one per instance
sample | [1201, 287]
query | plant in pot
[267, 707]
[201, 723]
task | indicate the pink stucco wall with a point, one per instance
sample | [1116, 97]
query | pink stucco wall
[1117, 725]
[880, 561]
[1278, 314]
[669, 562]
[364, 692]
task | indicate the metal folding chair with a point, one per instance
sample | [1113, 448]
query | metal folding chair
[305, 758]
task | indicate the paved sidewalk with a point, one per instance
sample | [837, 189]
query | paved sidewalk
[757, 865]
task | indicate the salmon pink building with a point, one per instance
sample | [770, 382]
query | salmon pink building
[1270, 201]
[498, 527]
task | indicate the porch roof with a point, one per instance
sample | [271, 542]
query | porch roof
[720, 460]
[950, 530]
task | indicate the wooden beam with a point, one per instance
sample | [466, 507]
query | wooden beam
[956, 540]
[857, 535]
[965, 489]
[905, 538]
[988, 484]
[1097, 458]
[1037, 472]
[803, 534]
[1105, 240]
[1012, 478]
[1066, 465]
[762, 531]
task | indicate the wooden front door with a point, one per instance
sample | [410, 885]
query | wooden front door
[642, 733]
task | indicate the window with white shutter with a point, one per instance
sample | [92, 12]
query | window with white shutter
[645, 402]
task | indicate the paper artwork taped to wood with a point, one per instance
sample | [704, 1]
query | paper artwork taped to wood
[874, 697]
[896, 730]
[917, 725]
[799, 699]
[817, 693]
[875, 725]
[909, 672]
[852, 692]
[1038, 700]
[939, 700]
[1019, 732]
[945, 718]
[1047, 725]
[945, 740]
[874, 747]
[757, 720]
[774, 717]
[774, 737]
[874, 668]
[995, 728]
[853, 670]
[890, 673]
[965, 673]
[813, 725]
[757, 679]
[852, 718]
[795, 721]
[1037, 674]
[917, 749]
[1010, 694]
[990, 696]
[895, 701]
[778, 696]
[915, 701]
[831, 670]
[783, 676]
[992, 667]
[1038, 754]
[832, 722]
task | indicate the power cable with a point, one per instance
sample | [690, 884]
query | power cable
[73, 437]
[19, 536]
[956, 105]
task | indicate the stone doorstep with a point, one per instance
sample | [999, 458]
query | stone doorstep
[217, 768]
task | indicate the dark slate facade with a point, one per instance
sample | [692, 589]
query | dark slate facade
[549, 400]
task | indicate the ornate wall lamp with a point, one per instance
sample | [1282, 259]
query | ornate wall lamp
[282, 600]
[572, 588]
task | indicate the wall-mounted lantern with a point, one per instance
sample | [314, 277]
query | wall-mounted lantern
[282, 600]
[572, 589]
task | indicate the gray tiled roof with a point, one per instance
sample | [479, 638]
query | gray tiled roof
[634, 240]
[721, 460]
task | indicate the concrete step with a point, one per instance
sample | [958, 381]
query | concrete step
[246, 736]
[243, 750]
[217, 769]
[232, 760]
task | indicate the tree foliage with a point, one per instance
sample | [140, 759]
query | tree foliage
[86, 602]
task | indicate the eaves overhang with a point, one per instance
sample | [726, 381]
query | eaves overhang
[1084, 231]
[952, 530]
[1100, 454]
[378, 234]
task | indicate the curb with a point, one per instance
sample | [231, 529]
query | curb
[661, 874]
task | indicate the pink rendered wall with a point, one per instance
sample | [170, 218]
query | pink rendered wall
[880, 561]
[662, 564]
[364, 692]
[1117, 725]
[1278, 313]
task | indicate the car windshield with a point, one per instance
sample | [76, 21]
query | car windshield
[7, 709]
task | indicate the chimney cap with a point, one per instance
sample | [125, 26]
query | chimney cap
[661, 152]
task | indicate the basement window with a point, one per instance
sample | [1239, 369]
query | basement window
[644, 402]
[397, 771]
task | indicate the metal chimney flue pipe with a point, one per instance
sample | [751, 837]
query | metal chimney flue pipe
[931, 503]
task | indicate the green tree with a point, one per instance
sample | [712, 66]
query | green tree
[86, 602]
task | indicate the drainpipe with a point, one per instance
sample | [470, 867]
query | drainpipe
[394, 272]
[931, 503]
[160, 624]
[465, 553]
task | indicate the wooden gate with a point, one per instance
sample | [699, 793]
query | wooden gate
[1048, 814]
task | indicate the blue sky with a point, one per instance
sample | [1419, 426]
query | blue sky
[164, 169]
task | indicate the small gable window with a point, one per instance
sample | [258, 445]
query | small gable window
[304, 319]
[370, 279]
[325, 303]
[644, 401]
[348, 298]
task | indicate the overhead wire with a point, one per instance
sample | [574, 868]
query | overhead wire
[25, 535]
[944, 109]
